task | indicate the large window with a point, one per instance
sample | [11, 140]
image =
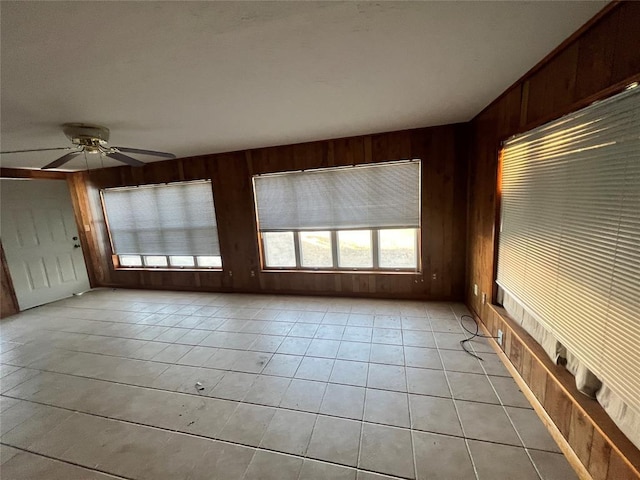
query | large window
[569, 242]
[348, 218]
[163, 226]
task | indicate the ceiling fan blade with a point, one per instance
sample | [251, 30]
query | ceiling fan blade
[146, 152]
[60, 161]
[132, 162]
[38, 150]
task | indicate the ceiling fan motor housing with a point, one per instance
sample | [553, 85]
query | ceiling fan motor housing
[90, 136]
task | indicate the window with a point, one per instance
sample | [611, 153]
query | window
[163, 226]
[569, 240]
[349, 218]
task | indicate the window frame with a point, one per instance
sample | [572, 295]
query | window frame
[335, 249]
[115, 258]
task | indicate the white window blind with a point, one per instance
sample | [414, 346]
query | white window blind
[370, 196]
[172, 219]
[569, 243]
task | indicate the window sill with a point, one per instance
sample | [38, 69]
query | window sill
[356, 272]
[166, 269]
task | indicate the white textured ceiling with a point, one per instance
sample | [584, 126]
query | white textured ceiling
[204, 77]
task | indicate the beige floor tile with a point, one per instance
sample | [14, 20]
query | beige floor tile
[283, 365]
[247, 424]
[335, 440]
[267, 390]
[434, 414]
[439, 457]
[207, 416]
[294, 346]
[233, 386]
[387, 450]
[427, 382]
[330, 332]
[343, 401]
[416, 323]
[498, 462]
[493, 366]
[387, 354]
[313, 368]
[360, 320]
[197, 356]
[552, 466]
[224, 461]
[323, 348]
[459, 361]
[474, 422]
[251, 362]
[532, 431]
[305, 395]
[350, 373]
[172, 353]
[27, 466]
[472, 387]
[182, 378]
[273, 466]
[16, 377]
[509, 392]
[357, 334]
[267, 343]
[335, 318]
[387, 377]
[31, 421]
[354, 351]
[389, 408]
[314, 470]
[418, 338]
[289, 432]
[422, 357]
[389, 336]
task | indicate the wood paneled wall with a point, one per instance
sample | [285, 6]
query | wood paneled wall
[599, 60]
[443, 151]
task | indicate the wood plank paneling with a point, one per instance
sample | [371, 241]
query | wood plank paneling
[444, 154]
[598, 61]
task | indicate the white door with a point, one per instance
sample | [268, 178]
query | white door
[40, 241]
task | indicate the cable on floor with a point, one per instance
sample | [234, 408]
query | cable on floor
[475, 334]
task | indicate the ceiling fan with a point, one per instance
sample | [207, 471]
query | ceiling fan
[87, 138]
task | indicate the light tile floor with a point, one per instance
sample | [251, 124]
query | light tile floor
[104, 386]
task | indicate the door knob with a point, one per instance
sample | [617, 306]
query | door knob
[77, 245]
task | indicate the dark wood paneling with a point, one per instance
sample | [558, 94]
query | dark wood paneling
[443, 151]
[598, 61]
[8, 300]
[26, 173]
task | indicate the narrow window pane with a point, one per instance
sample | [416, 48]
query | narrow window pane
[315, 248]
[155, 261]
[279, 249]
[398, 248]
[182, 261]
[210, 262]
[130, 260]
[354, 249]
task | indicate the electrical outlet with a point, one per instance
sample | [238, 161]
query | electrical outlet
[475, 289]
[253, 273]
[500, 337]
[230, 273]
[434, 276]
[484, 298]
